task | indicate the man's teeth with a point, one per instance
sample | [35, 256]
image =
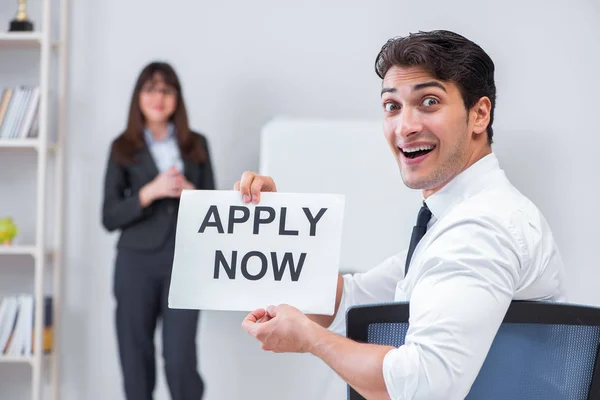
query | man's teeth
[420, 148]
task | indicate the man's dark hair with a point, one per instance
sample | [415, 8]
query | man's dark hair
[448, 56]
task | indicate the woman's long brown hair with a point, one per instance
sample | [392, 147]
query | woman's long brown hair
[130, 142]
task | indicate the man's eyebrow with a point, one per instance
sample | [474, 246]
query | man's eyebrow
[418, 86]
[425, 85]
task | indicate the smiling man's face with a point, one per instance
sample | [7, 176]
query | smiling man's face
[428, 128]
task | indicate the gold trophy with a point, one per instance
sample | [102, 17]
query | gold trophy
[21, 22]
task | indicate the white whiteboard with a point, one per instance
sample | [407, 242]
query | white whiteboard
[351, 158]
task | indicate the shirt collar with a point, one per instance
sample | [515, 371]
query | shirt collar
[466, 184]
[150, 137]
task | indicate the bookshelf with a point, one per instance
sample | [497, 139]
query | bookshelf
[49, 45]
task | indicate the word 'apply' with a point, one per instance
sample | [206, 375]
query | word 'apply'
[262, 215]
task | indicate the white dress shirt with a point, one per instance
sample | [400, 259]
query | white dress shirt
[165, 153]
[485, 246]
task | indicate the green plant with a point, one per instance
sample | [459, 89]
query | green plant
[8, 230]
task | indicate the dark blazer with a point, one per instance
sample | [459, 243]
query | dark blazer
[145, 228]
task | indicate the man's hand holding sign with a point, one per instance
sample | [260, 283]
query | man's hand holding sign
[285, 329]
[288, 330]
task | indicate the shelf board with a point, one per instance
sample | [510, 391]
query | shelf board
[20, 39]
[16, 359]
[17, 250]
[32, 143]
[19, 143]
[24, 40]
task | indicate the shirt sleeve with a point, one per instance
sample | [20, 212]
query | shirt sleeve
[459, 299]
[377, 285]
[120, 208]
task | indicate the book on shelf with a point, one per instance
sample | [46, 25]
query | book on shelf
[19, 107]
[17, 316]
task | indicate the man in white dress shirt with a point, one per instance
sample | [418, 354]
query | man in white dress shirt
[484, 243]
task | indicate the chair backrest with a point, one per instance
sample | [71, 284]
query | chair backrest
[543, 350]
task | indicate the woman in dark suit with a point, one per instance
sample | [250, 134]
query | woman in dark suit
[149, 165]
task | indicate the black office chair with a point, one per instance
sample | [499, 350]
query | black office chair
[543, 350]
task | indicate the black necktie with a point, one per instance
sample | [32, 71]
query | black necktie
[417, 233]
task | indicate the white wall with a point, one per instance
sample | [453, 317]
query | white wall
[242, 63]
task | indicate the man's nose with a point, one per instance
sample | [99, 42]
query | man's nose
[408, 123]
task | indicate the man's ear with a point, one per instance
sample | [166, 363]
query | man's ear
[480, 114]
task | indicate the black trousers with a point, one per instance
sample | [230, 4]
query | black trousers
[141, 288]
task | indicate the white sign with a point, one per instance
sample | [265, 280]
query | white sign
[235, 256]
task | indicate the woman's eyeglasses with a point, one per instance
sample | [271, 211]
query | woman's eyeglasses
[165, 90]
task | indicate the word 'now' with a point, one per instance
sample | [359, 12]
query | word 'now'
[278, 269]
